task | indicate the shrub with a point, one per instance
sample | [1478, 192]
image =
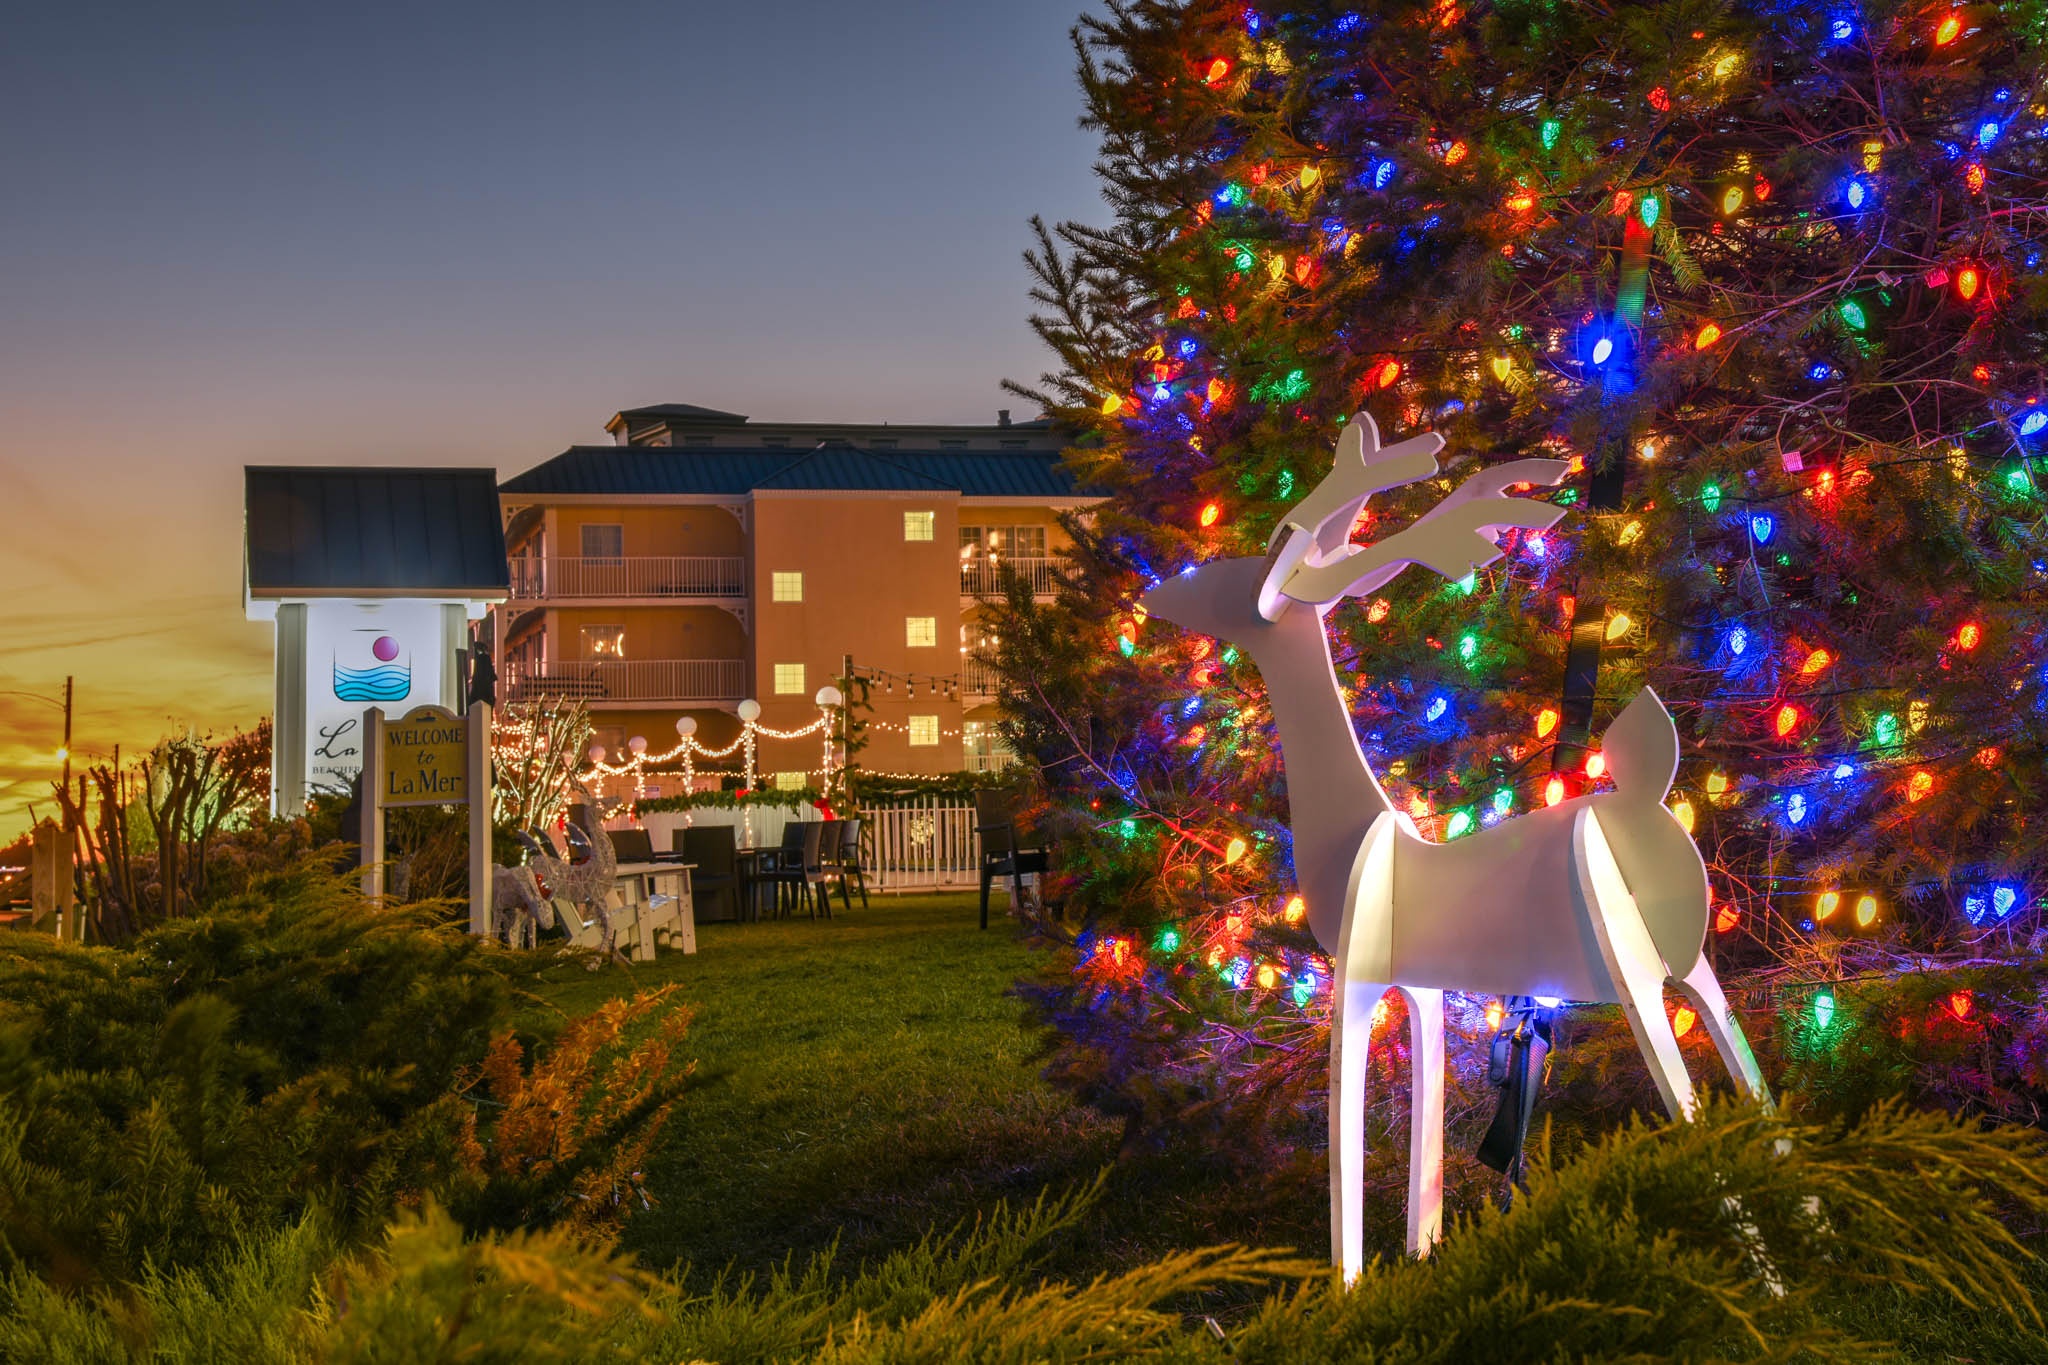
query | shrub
[1744, 1236]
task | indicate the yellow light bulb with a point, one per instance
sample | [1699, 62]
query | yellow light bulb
[1682, 809]
[1309, 176]
[1502, 368]
[1629, 534]
[1296, 911]
[1618, 625]
[1111, 405]
[1866, 911]
[1234, 851]
[1827, 904]
[1717, 783]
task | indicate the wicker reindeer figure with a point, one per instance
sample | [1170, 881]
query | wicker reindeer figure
[1599, 899]
[586, 885]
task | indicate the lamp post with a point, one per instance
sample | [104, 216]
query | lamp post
[64, 706]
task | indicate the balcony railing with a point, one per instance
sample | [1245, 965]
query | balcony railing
[603, 680]
[564, 577]
[978, 679]
[992, 762]
[980, 577]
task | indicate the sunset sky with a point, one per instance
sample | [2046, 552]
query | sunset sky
[462, 233]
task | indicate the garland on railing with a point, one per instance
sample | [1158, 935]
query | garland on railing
[801, 798]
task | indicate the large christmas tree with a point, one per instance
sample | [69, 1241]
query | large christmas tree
[1769, 273]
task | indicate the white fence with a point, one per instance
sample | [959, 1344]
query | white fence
[921, 844]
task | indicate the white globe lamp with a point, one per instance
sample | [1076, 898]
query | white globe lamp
[686, 726]
[828, 695]
[597, 753]
[750, 710]
[638, 744]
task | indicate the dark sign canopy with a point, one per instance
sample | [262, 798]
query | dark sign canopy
[354, 532]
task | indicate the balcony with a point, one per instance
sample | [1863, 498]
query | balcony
[979, 681]
[981, 577]
[630, 681]
[566, 578]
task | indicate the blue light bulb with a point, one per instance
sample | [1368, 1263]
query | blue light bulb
[1437, 707]
[2033, 422]
[1795, 808]
[1844, 771]
[1987, 132]
[1187, 346]
[1842, 29]
[1602, 349]
[1763, 526]
[1382, 174]
[1738, 641]
[2003, 899]
[1821, 372]
[1856, 192]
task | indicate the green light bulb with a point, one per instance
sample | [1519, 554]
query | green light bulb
[1551, 128]
[1823, 1009]
[1650, 210]
[1852, 314]
[1461, 823]
[1468, 647]
[1710, 497]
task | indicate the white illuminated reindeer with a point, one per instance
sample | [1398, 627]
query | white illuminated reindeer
[1599, 899]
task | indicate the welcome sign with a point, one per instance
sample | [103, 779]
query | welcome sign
[426, 759]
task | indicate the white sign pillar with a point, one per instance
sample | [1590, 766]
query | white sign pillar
[478, 763]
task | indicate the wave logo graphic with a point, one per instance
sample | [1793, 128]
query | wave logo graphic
[385, 682]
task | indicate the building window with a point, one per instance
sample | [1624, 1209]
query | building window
[789, 680]
[1002, 542]
[952, 445]
[1013, 445]
[774, 440]
[920, 632]
[791, 782]
[883, 443]
[787, 587]
[603, 642]
[920, 525]
[604, 540]
[924, 731]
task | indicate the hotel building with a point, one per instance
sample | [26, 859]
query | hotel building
[704, 558]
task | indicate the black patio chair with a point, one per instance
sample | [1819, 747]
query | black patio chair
[846, 863]
[1001, 854]
[714, 874]
[633, 845]
[802, 872]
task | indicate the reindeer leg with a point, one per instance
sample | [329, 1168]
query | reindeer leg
[1360, 971]
[1703, 988]
[1425, 1118]
[1632, 960]
[1350, 1048]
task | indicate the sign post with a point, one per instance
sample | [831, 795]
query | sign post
[430, 757]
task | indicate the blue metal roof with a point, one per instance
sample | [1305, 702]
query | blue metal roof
[626, 470]
[373, 532]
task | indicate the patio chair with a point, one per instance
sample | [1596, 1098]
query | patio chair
[715, 874]
[1001, 856]
[845, 863]
[633, 845]
[802, 870]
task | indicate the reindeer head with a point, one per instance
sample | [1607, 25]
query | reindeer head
[1310, 560]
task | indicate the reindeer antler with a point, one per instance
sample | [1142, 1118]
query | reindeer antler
[1312, 560]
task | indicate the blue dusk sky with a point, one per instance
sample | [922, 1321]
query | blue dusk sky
[461, 233]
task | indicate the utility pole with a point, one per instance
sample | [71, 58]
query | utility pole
[67, 732]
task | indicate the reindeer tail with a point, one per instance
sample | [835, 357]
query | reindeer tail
[1641, 749]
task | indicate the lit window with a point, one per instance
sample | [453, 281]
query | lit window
[789, 679]
[919, 525]
[924, 731]
[603, 642]
[920, 632]
[787, 587]
[790, 782]
[604, 541]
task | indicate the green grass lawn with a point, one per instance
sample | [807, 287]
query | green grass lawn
[866, 1078]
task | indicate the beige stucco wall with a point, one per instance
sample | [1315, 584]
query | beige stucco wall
[862, 579]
